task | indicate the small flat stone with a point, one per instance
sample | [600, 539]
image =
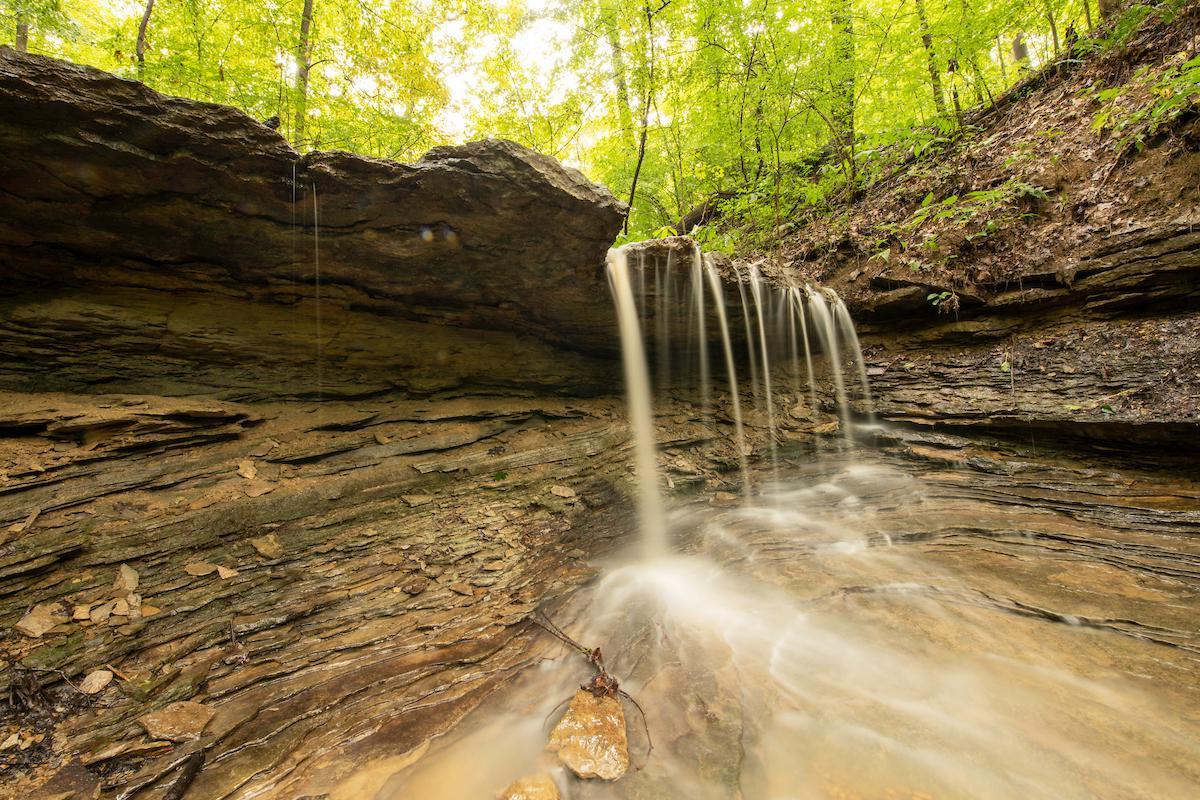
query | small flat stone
[179, 722]
[415, 586]
[724, 499]
[531, 787]
[562, 491]
[590, 739]
[267, 546]
[40, 619]
[126, 582]
[96, 681]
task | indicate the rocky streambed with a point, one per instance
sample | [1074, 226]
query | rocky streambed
[292, 447]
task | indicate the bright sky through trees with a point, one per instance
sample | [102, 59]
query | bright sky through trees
[771, 104]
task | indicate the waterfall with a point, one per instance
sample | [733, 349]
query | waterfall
[714, 281]
[778, 323]
[651, 516]
[756, 290]
[842, 314]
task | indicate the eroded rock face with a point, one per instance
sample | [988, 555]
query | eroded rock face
[591, 739]
[140, 232]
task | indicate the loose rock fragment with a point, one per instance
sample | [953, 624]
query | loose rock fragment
[201, 569]
[562, 491]
[100, 614]
[40, 619]
[590, 739]
[247, 469]
[126, 582]
[415, 586]
[82, 613]
[724, 499]
[178, 722]
[267, 546]
[96, 681]
[531, 787]
[226, 573]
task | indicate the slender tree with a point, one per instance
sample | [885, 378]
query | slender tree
[303, 65]
[935, 78]
[141, 37]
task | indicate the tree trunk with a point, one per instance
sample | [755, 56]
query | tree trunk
[842, 115]
[1087, 13]
[1109, 8]
[1020, 51]
[935, 78]
[1000, 58]
[303, 65]
[1053, 28]
[22, 42]
[624, 112]
[141, 37]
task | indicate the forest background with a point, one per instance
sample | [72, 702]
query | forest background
[760, 108]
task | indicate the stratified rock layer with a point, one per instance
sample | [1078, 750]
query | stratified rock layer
[157, 244]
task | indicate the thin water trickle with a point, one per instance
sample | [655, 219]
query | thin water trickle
[756, 290]
[317, 283]
[751, 355]
[701, 332]
[827, 333]
[714, 282]
[850, 335]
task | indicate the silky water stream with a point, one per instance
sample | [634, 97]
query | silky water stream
[856, 624]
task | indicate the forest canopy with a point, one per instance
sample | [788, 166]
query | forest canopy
[764, 105]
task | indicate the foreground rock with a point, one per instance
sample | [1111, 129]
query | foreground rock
[591, 739]
[532, 787]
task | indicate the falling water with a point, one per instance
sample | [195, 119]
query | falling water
[798, 308]
[751, 356]
[714, 282]
[756, 289]
[651, 516]
[827, 332]
[317, 277]
[842, 314]
[701, 334]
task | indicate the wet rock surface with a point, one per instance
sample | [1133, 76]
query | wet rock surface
[533, 787]
[591, 739]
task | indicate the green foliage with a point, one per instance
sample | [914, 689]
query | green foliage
[780, 107]
[1150, 101]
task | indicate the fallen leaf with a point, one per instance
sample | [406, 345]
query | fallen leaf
[200, 568]
[11, 741]
[96, 681]
[40, 619]
[226, 572]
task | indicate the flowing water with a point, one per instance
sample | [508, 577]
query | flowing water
[857, 627]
